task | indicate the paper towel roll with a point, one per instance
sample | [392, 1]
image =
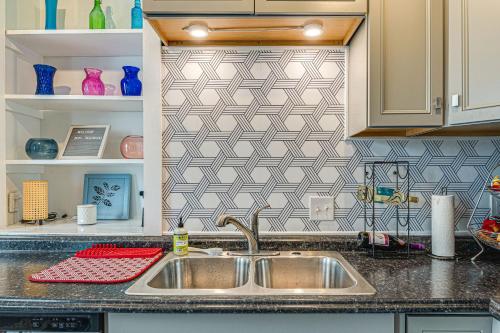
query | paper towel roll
[443, 225]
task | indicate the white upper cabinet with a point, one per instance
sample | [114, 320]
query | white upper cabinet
[306, 7]
[406, 63]
[272, 7]
[473, 61]
[153, 7]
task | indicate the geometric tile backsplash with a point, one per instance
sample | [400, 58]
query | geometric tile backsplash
[245, 127]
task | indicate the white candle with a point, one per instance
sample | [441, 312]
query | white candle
[87, 214]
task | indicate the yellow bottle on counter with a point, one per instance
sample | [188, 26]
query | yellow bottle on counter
[180, 239]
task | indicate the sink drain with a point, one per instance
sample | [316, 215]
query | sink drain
[296, 253]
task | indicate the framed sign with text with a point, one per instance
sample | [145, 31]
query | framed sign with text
[85, 142]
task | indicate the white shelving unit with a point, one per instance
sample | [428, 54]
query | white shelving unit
[69, 227]
[73, 103]
[36, 166]
[23, 115]
[75, 162]
[77, 42]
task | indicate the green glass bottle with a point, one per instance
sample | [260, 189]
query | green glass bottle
[97, 19]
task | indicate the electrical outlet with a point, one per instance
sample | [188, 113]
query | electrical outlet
[13, 198]
[321, 208]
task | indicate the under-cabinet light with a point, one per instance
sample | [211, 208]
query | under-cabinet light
[197, 30]
[313, 30]
[201, 30]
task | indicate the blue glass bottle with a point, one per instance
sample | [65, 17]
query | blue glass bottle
[44, 79]
[50, 14]
[130, 84]
[41, 149]
[137, 15]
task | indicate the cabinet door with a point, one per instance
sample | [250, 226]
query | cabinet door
[250, 323]
[310, 6]
[474, 66]
[406, 63]
[448, 324]
[198, 6]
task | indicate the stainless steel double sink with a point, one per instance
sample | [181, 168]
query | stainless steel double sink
[288, 273]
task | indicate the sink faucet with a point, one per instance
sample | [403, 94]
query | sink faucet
[252, 235]
[255, 224]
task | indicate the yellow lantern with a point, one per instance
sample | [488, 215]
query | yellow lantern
[35, 200]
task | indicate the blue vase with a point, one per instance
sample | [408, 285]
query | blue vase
[130, 84]
[41, 149]
[50, 14]
[44, 79]
[137, 15]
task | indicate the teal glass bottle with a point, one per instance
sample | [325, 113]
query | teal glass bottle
[50, 14]
[97, 20]
[137, 15]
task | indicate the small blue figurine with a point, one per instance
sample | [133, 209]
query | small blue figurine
[137, 15]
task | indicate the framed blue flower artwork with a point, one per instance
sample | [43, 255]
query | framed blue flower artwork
[110, 193]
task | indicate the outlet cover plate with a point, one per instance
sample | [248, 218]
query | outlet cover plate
[321, 208]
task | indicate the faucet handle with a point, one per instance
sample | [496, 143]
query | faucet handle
[255, 224]
[255, 218]
[257, 212]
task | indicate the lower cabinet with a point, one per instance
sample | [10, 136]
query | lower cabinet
[449, 324]
[298, 323]
[250, 323]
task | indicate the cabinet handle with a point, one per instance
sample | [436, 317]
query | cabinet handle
[438, 105]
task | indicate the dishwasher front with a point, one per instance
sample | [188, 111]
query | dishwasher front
[51, 323]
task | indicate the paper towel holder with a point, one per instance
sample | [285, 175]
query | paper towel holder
[453, 258]
[444, 192]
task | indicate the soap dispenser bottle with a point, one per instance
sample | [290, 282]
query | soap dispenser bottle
[180, 239]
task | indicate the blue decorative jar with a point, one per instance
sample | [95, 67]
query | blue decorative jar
[44, 79]
[50, 14]
[41, 149]
[130, 84]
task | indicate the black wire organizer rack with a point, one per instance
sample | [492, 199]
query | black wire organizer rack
[484, 238]
[378, 174]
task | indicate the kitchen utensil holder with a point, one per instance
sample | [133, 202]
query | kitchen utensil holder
[377, 174]
[482, 237]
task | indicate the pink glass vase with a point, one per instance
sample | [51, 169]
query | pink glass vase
[132, 147]
[92, 84]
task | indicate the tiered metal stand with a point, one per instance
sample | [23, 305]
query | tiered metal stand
[378, 174]
[483, 237]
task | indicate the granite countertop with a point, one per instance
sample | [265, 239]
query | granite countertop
[418, 284]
